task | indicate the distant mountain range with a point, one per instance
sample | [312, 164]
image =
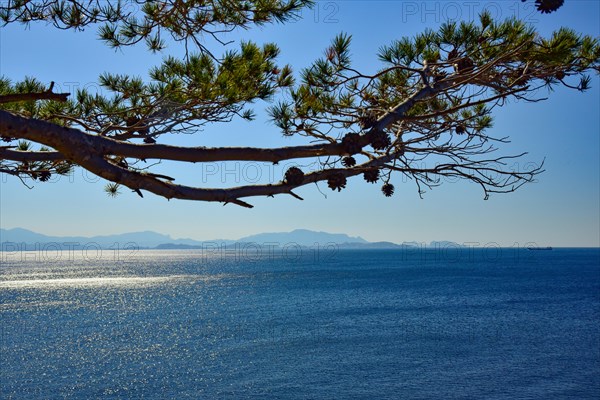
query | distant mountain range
[142, 239]
[303, 237]
[21, 239]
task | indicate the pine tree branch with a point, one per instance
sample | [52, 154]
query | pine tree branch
[30, 156]
[45, 95]
[59, 137]
[12, 98]
[82, 149]
[138, 180]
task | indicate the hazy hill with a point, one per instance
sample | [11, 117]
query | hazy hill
[303, 237]
[141, 239]
[148, 239]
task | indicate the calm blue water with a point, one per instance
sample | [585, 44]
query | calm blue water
[495, 324]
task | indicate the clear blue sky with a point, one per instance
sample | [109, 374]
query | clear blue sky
[561, 209]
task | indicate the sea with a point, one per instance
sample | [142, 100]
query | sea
[291, 322]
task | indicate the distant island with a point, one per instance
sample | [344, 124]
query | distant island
[23, 239]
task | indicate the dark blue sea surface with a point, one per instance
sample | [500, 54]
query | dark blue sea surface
[301, 324]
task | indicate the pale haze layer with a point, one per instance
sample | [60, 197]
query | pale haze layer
[561, 209]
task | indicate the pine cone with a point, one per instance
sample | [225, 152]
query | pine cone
[6, 139]
[371, 175]
[388, 189]
[294, 176]
[439, 75]
[149, 140]
[560, 75]
[548, 6]
[460, 129]
[44, 176]
[336, 181]
[379, 140]
[348, 162]
[452, 54]
[351, 143]
[367, 121]
[137, 125]
[464, 65]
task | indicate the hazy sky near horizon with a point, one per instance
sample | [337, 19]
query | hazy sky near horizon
[561, 209]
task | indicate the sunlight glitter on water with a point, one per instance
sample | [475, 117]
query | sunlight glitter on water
[130, 281]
